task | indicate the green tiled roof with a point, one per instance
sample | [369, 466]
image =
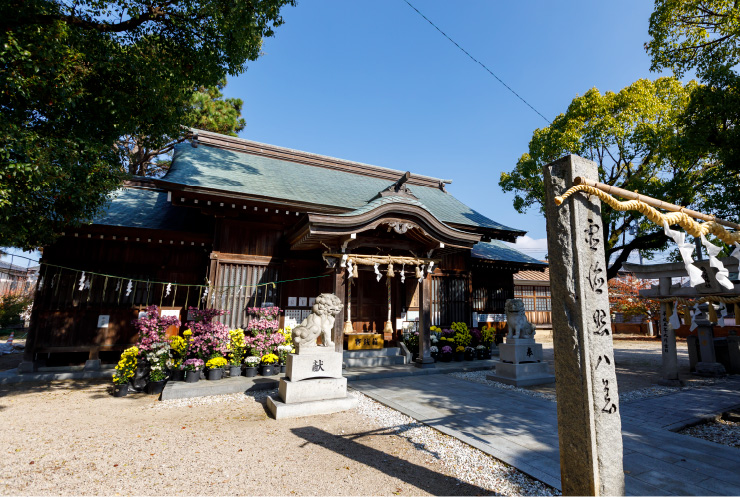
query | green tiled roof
[497, 250]
[211, 167]
[392, 199]
[146, 208]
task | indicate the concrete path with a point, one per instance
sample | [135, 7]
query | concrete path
[522, 431]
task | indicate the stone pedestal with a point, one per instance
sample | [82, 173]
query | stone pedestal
[520, 364]
[733, 345]
[313, 384]
[708, 365]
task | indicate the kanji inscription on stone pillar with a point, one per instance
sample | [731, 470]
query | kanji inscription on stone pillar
[589, 423]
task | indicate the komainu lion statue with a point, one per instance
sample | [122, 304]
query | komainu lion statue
[519, 327]
[319, 322]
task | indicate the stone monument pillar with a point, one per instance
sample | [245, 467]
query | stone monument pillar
[313, 382]
[589, 423]
[668, 340]
[708, 366]
[520, 358]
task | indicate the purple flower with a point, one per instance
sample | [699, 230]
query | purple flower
[447, 349]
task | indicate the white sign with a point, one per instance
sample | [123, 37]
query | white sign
[303, 302]
[491, 318]
[170, 312]
[143, 315]
[290, 323]
[103, 320]
[292, 301]
[311, 301]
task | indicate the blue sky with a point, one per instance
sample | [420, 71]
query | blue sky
[371, 81]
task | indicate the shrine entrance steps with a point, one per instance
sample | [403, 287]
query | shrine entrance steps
[390, 356]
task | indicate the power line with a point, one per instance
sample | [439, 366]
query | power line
[477, 62]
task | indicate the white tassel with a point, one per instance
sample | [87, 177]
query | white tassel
[129, 287]
[118, 285]
[82, 281]
[349, 269]
[168, 290]
[722, 314]
[693, 318]
[686, 250]
[377, 272]
[344, 261]
[87, 283]
[205, 295]
[723, 275]
[421, 273]
[431, 265]
[736, 252]
[403, 275]
[674, 320]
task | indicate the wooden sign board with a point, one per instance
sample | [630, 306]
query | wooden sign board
[364, 341]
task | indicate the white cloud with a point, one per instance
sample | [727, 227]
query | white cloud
[534, 247]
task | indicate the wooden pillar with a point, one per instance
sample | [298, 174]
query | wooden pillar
[425, 323]
[338, 288]
[589, 422]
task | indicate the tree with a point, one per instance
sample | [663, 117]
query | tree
[75, 77]
[705, 36]
[624, 297]
[207, 110]
[694, 34]
[633, 136]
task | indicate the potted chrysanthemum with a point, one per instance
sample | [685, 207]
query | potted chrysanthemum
[446, 355]
[282, 352]
[178, 351]
[237, 348]
[434, 352]
[125, 371]
[252, 362]
[215, 368]
[192, 369]
[268, 364]
[459, 353]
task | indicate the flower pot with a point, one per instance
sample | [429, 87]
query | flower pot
[469, 355]
[267, 370]
[155, 387]
[250, 371]
[120, 390]
[283, 368]
[177, 375]
[445, 357]
[459, 356]
[214, 374]
[192, 376]
[481, 353]
[235, 371]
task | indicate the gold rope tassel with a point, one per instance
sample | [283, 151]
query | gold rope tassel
[712, 313]
[687, 316]
[417, 272]
[390, 273]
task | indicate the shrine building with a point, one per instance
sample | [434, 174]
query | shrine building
[237, 224]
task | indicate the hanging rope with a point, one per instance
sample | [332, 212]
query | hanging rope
[348, 323]
[388, 327]
[680, 218]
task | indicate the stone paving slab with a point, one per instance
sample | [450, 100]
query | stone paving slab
[204, 388]
[522, 431]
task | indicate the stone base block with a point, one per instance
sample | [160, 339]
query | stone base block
[309, 365]
[710, 369]
[523, 382]
[92, 365]
[521, 350]
[424, 362]
[26, 367]
[293, 392]
[281, 410]
[522, 375]
[670, 383]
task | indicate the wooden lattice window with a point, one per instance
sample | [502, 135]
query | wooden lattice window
[239, 286]
[449, 300]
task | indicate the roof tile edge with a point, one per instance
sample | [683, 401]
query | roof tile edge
[256, 148]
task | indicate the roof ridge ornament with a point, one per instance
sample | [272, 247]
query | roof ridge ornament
[399, 188]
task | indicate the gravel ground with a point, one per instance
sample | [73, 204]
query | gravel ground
[74, 438]
[721, 431]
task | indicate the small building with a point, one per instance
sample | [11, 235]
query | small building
[237, 224]
[15, 278]
[533, 287]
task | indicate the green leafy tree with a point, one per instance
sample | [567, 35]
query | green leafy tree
[633, 137]
[207, 110]
[76, 77]
[694, 34]
[704, 35]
